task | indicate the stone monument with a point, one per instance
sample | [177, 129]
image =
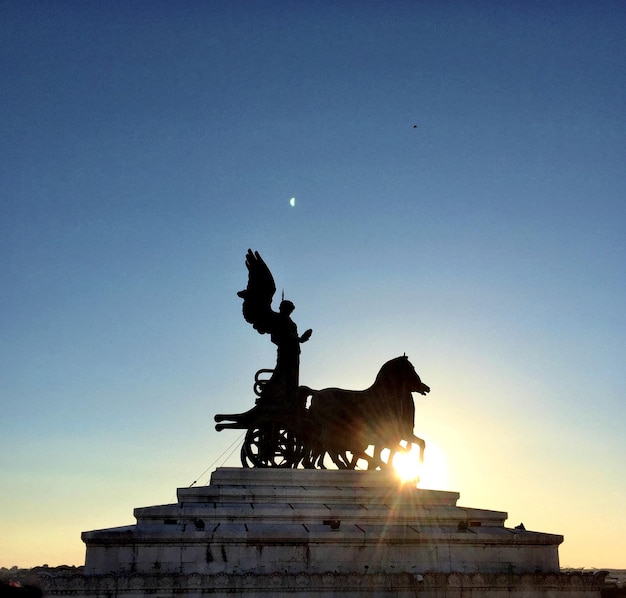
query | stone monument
[284, 524]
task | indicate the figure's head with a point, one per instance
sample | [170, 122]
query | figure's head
[286, 307]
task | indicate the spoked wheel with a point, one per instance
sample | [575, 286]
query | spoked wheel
[270, 446]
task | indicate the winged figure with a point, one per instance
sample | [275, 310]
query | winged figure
[257, 297]
[282, 388]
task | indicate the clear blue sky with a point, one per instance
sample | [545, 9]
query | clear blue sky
[147, 145]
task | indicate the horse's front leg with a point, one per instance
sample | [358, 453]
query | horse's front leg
[318, 460]
[308, 458]
[376, 460]
[337, 460]
[358, 455]
[343, 456]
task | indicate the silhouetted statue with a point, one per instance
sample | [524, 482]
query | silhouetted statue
[381, 416]
[283, 432]
[281, 390]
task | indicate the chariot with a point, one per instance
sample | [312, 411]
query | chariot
[340, 424]
[276, 432]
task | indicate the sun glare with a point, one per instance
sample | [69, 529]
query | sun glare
[431, 474]
[407, 465]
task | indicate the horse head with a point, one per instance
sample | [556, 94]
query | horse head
[400, 372]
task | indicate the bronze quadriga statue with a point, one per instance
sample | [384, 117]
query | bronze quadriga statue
[282, 432]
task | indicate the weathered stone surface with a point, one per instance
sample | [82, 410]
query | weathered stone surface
[320, 533]
[327, 585]
[301, 521]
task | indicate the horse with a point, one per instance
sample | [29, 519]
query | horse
[382, 415]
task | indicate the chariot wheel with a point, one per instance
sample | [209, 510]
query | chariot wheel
[270, 446]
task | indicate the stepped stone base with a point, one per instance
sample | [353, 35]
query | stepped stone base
[320, 533]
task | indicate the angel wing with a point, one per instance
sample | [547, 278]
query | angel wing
[257, 297]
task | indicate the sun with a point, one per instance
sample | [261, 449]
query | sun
[431, 474]
[407, 465]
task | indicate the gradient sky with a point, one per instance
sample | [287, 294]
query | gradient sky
[147, 145]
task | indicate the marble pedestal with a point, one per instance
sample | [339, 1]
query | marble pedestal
[305, 521]
[281, 532]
